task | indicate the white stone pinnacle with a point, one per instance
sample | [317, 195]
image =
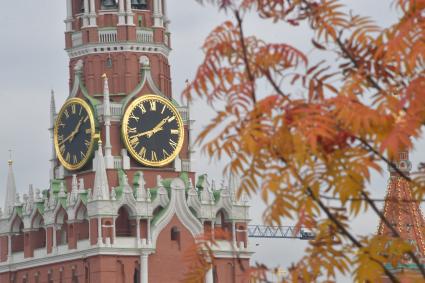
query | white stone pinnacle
[109, 160]
[101, 185]
[10, 190]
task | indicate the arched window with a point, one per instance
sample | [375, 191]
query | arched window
[82, 6]
[18, 235]
[139, 4]
[124, 227]
[109, 4]
[62, 233]
[136, 277]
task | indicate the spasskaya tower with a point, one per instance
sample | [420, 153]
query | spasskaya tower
[124, 203]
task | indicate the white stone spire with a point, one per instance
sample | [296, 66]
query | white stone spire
[109, 160]
[52, 108]
[10, 191]
[52, 125]
[101, 185]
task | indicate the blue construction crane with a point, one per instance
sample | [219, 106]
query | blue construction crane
[279, 232]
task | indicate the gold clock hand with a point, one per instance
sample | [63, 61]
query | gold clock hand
[77, 129]
[158, 127]
[72, 134]
[150, 133]
[67, 138]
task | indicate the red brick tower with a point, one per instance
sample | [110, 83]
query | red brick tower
[110, 215]
[404, 214]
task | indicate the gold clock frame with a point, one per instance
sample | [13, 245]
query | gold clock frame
[125, 136]
[86, 106]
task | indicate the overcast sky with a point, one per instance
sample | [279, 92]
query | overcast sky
[33, 61]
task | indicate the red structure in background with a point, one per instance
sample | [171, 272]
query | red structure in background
[404, 214]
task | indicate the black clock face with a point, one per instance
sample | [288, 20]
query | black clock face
[74, 134]
[153, 130]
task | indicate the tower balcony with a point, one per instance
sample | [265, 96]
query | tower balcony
[110, 35]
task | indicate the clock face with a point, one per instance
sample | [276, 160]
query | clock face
[153, 130]
[74, 134]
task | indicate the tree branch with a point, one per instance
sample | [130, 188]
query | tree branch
[245, 57]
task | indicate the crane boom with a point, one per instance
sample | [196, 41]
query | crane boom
[279, 232]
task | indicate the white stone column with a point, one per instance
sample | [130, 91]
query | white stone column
[138, 231]
[89, 220]
[157, 14]
[68, 20]
[129, 13]
[99, 232]
[234, 232]
[86, 14]
[121, 13]
[92, 14]
[9, 247]
[144, 275]
[213, 230]
[54, 243]
[114, 229]
[148, 231]
[209, 277]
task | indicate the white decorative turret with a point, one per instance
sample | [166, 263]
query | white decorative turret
[74, 190]
[62, 192]
[162, 191]
[101, 185]
[178, 164]
[10, 191]
[234, 182]
[141, 190]
[206, 195]
[109, 159]
[81, 188]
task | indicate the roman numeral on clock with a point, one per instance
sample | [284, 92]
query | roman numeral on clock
[153, 157]
[132, 116]
[134, 142]
[153, 105]
[142, 152]
[165, 153]
[142, 108]
[172, 143]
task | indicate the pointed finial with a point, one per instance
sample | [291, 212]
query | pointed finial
[52, 101]
[10, 162]
[52, 108]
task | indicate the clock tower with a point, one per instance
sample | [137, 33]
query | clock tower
[124, 203]
[119, 52]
